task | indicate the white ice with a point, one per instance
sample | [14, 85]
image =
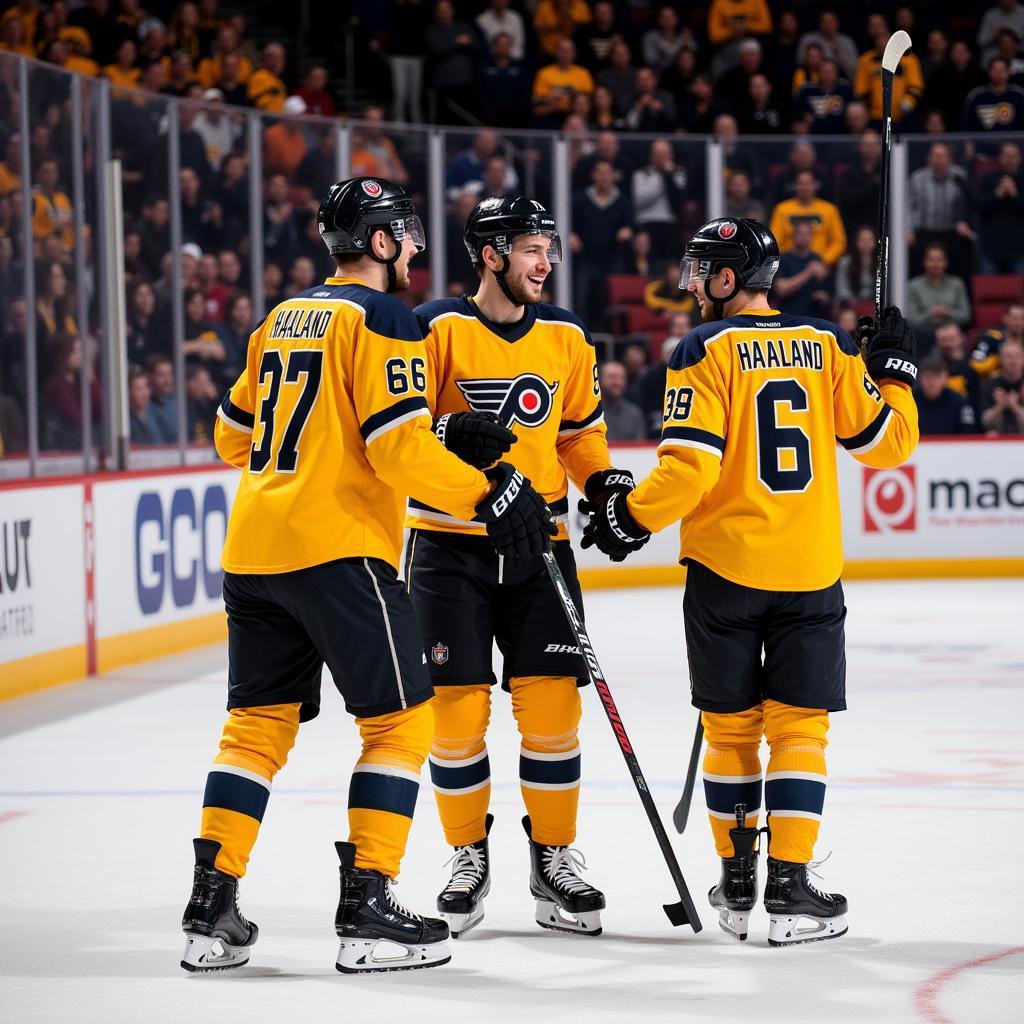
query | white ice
[100, 786]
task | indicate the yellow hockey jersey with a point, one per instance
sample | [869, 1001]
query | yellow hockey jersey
[538, 375]
[330, 426]
[754, 406]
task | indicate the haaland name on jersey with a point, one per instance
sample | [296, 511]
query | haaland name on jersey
[783, 352]
[301, 323]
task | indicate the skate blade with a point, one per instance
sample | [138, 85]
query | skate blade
[734, 922]
[550, 915]
[366, 956]
[792, 930]
[203, 953]
[460, 924]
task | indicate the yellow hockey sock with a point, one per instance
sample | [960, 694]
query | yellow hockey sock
[796, 778]
[254, 747]
[547, 710]
[732, 771]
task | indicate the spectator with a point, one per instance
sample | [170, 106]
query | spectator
[950, 343]
[467, 166]
[62, 395]
[653, 110]
[650, 390]
[52, 212]
[215, 293]
[658, 191]
[319, 168]
[407, 30]
[301, 276]
[231, 193]
[266, 89]
[828, 239]
[936, 56]
[985, 357]
[834, 45]
[284, 144]
[594, 40]
[182, 76]
[997, 106]
[133, 265]
[738, 201]
[212, 69]
[231, 82]
[380, 147]
[826, 100]
[200, 218]
[734, 85]
[731, 20]
[1004, 395]
[602, 110]
[234, 331]
[280, 222]
[505, 85]
[634, 359]
[201, 343]
[217, 131]
[800, 285]
[802, 157]
[662, 43]
[665, 296]
[273, 284]
[123, 73]
[951, 83]
[147, 334]
[624, 420]
[556, 84]
[495, 179]
[619, 77]
[52, 303]
[602, 218]
[451, 56]
[313, 92]
[999, 202]
[556, 20]
[183, 29]
[858, 121]
[202, 398]
[640, 254]
[737, 157]
[10, 166]
[760, 114]
[908, 84]
[606, 148]
[859, 184]
[936, 296]
[1008, 47]
[498, 20]
[809, 69]
[13, 437]
[143, 428]
[679, 77]
[937, 197]
[940, 410]
[162, 402]
[855, 272]
[698, 110]
[1006, 14]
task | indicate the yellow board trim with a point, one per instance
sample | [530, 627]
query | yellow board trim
[38, 671]
[880, 569]
[159, 641]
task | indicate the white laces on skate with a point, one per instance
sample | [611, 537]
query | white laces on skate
[394, 903]
[562, 864]
[811, 871]
[468, 868]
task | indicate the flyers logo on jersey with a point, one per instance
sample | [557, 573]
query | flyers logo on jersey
[527, 399]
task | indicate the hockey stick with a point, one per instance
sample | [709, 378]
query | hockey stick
[682, 811]
[683, 912]
[898, 45]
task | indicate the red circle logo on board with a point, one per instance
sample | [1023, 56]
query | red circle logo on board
[726, 230]
[372, 189]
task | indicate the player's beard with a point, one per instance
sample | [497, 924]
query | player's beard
[402, 281]
[521, 290]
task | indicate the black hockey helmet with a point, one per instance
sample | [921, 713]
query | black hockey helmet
[746, 246]
[354, 209]
[497, 221]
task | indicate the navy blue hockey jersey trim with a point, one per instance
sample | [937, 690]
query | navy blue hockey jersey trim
[703, 437]
[585, 422]
[376, 424]
[868, 434]
[384, 314]
[237, 414]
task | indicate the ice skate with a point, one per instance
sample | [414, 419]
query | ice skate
[565, 903]
[736, 893]
[217, 936]
[377, 933]
[800, 912]
[461, 903]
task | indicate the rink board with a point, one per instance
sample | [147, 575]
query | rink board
[102, 571]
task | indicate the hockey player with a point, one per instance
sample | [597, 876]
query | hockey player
[329, 424]
[506, 368]
[755, 402]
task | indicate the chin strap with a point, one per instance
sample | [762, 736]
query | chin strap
[389, 264]
[499, 276]
[718, 304]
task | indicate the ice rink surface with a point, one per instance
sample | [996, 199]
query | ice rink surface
[100, 787]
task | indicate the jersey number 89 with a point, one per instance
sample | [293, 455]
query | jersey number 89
[678, 402]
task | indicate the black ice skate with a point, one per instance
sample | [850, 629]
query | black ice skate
[565, 903]
[461, 903]
[216, 934]
[736, 893]
[800, 912]
[377, 933]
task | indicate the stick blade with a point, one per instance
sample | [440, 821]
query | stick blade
[680, 814]
[898, 45]
[678, 914]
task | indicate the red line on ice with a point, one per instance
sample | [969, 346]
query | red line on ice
[926, 993]
[9, 815]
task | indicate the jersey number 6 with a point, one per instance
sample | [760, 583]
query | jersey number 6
[300, 361]
[780, 472]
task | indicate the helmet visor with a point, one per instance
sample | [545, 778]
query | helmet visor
[554, 250]
[693, 269]
[413, 227]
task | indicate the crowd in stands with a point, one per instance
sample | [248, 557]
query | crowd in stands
[790, 90]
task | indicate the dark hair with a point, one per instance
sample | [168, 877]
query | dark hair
[938, 246]
[155, 360]
[856, 265]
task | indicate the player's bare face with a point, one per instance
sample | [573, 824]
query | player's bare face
[528, 268]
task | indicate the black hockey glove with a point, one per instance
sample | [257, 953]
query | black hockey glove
[889, 346]
[519, 523]
[478, 438]
[608, 481]
[611, 528]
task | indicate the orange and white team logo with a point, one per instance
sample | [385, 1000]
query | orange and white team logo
[726, 230]
[890, 499]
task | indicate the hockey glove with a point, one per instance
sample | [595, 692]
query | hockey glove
[889, 346]
[519, 523]
[604, 482]
[478, 438]
[611, 528]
